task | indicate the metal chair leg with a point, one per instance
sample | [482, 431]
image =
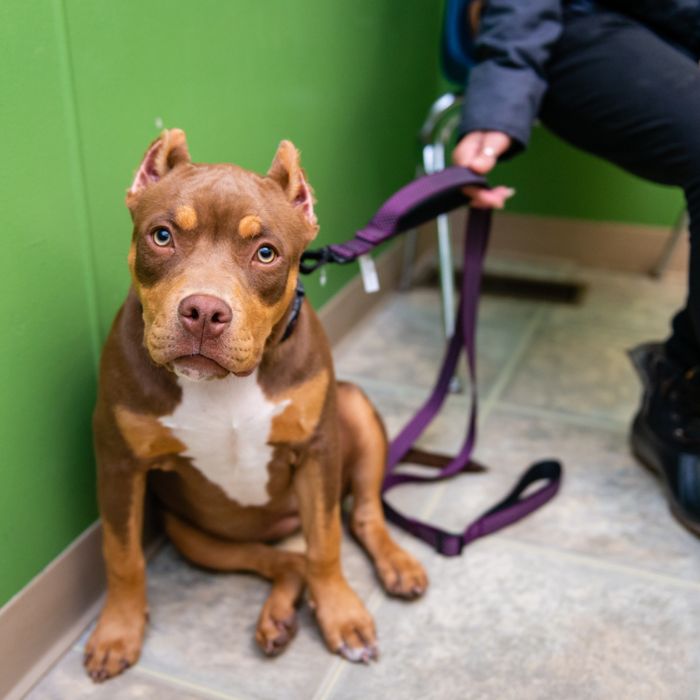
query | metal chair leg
[436, 155]
[435, 134]
[434, 160]
[447, 287]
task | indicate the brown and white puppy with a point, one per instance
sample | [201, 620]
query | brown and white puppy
[241, 436]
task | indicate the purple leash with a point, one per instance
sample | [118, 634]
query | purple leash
[418, 202]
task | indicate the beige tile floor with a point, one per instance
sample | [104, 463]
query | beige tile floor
[595, 596]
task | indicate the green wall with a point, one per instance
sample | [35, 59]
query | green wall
[84, 82]
[554, 179]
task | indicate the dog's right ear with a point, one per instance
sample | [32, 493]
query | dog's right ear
[166, 152]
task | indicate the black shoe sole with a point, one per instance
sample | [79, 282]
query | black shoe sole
[647, 458]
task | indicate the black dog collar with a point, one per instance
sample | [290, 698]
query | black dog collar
[296, 308]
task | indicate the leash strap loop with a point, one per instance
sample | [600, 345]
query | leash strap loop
[418, 202]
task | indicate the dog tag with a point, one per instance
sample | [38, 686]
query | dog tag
[368, 270]
[323, 277]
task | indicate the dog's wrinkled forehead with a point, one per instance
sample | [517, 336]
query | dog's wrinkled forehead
[222, 198]
[220, 201]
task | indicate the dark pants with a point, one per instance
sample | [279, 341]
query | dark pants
[620, 91]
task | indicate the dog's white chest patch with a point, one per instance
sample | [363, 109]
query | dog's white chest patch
[225, 425]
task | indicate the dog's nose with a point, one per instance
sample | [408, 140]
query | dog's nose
[204, 316]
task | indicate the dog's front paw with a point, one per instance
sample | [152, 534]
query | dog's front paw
[114, 645]
[401, 574]
[347, 626]
[276, 627]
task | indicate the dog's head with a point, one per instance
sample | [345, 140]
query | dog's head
[215, 254]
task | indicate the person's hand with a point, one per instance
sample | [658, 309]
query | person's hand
[480, 150]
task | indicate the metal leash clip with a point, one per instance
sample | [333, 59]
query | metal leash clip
[311, 260]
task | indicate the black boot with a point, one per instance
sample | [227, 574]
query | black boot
[665, 435]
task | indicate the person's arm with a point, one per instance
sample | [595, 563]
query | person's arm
[506, 85]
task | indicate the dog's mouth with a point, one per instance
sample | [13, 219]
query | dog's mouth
[198, 366]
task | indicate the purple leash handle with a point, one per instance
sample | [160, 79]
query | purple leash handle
[417, 202]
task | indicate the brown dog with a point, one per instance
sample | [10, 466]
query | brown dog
[241, 433]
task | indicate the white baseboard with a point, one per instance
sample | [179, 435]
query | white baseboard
[39, 623]
[46, 617]
[603, 244]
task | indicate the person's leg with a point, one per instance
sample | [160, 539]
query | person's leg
[619, 91]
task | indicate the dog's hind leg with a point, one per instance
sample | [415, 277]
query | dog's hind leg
[277, 623]
[364, 454]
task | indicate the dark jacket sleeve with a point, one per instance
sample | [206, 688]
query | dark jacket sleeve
[506, 86]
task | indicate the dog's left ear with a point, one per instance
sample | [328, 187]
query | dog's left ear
[287, 172]
[167, 151]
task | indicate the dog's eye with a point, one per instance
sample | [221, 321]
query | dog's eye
[266, 254]
[162, 237]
